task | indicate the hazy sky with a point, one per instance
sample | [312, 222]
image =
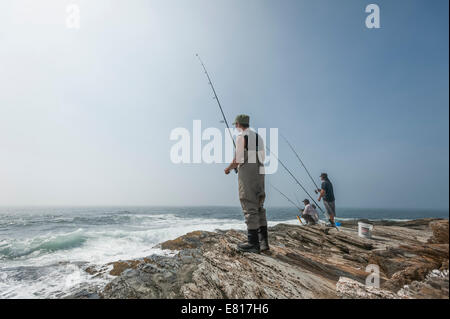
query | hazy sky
[85, 115]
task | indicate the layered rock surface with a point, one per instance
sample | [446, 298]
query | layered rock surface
[304, 262]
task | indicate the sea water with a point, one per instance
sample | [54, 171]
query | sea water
[44, 251]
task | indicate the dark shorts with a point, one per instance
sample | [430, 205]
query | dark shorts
[330, 207]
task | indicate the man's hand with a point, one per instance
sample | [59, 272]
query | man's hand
[320, 197]
[233, 165]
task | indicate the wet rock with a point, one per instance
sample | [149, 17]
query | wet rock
[121, 266]
[154, 277]
[85, 293]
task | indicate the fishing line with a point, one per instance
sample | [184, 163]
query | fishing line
[296, 180]
[301, 162]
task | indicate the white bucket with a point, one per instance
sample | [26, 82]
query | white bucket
[365, 230]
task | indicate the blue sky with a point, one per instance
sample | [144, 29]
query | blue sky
[85, 115]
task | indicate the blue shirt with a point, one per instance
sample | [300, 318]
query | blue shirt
[328, 188]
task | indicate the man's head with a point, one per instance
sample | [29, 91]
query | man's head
[306, 202]
[242, 122]
[324, 176]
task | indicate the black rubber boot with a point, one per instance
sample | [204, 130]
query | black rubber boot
[252, 246]
[263, 237]
[331, 223]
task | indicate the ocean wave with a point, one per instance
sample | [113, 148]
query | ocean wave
[41, 266]
[20, 248]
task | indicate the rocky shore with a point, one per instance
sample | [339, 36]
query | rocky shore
[304, 262]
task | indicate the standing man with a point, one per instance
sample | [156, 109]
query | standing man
[328, 197]
[249, 159]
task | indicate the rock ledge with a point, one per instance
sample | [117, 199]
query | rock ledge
[304, 262]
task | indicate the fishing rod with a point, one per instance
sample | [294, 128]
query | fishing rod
[217, 99]
[298, 217]
[296, 180]
[218, 102]
[301, 162]
[289, 200]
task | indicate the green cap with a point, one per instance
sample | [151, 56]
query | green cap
[242, 119]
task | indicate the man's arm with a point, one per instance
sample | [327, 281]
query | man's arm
[322, 194]
[238, 156]
[231, 167]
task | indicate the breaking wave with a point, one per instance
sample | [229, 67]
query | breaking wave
[20, 248]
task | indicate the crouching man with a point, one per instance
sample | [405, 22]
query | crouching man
[249, 160]
[310, 213]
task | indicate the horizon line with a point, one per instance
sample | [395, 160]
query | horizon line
[203, 206]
